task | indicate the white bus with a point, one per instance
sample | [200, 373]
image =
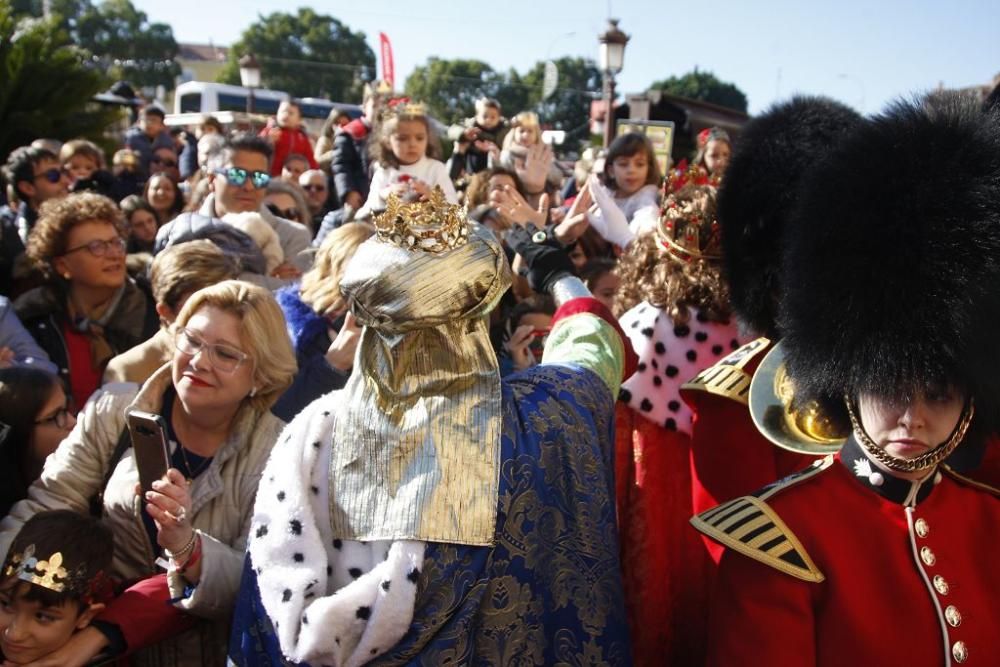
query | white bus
[201, 97]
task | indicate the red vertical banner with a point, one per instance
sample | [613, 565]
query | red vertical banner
[388, 75]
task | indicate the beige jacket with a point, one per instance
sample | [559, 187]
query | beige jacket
[141, 361]
[222, 506]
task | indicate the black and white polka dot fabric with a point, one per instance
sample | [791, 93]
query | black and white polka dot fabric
[331, 601]
[670, 354]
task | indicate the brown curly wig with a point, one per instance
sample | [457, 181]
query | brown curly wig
[57, 217]
[649, 272]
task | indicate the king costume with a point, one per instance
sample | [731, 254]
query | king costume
[430, 512]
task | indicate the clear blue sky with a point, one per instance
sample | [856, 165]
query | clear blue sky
[863, 53]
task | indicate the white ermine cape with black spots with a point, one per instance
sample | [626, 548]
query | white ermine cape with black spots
[331, 601]
[669, 355]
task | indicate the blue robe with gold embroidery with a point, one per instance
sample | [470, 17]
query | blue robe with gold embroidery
[549, 591]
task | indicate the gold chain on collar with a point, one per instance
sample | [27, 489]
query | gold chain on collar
[922, 462]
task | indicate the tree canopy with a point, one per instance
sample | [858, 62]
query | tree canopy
[47, 84]
[118, 37]
[450, 88]
[704, 86]
[568, 108]
[305, 54]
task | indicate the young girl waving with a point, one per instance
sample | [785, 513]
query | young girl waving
[406, 151]
[629, 203]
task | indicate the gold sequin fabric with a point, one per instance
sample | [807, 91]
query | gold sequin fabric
[417, 426]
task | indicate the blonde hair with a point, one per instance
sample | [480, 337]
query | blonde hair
[263, 333]
[57, 217]
[81, 147]
[185, 268]
[523, 119]
[320, 288]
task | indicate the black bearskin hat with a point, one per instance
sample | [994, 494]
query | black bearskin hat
[757, 194]
[892, 267]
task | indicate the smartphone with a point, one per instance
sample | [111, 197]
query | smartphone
[149, 446]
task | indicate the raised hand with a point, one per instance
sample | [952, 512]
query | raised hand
[516, 210]
[519, 344]
[537, 163]
[611, 224]
[340, 354]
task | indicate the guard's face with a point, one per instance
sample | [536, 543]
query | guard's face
[907, 429]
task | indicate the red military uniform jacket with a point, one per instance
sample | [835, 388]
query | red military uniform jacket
[844, 565]
[729, 456]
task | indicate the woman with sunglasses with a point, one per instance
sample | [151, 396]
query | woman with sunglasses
[286, 199]
[34, 421]
[232, 358]
[89, 310]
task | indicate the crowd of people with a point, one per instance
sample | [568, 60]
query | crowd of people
[491, 411]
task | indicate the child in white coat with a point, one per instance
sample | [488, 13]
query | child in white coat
[406, 151]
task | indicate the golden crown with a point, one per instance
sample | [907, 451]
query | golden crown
[687, 228]
[432, 225]
[52, 575]
[48, 573]
[402, 106]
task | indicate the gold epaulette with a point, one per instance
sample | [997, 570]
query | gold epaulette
[727, 377]
[982, 486]
[748, 525]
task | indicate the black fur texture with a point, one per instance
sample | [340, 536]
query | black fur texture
[758, 192]
[892, 264]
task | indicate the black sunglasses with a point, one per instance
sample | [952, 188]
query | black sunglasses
[164, 161]
[287, 214]
[53, 175]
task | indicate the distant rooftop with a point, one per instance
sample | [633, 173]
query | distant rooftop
[203, 52]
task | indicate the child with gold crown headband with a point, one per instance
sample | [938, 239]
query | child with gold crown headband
[53, 584]
[407, 151]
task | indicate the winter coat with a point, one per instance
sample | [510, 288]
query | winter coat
[350, 166]
[43, 313]
[222, 502]
[294, 237]
[14, 336]
[288, 142]
[311, 337]
[139, 141]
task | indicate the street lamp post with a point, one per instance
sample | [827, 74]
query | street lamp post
[250, 78]
[612, 57]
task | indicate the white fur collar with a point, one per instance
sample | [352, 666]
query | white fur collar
[332, 601]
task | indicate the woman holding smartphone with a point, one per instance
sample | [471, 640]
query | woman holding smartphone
[232, 360]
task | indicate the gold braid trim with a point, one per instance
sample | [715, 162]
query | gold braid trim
[922, 462]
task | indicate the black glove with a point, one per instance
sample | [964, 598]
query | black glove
[545, 258]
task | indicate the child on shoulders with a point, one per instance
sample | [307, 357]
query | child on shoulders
[407, 151]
